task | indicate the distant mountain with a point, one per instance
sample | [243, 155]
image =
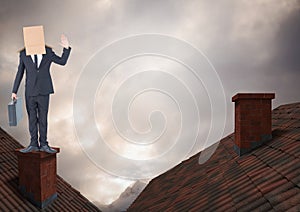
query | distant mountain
[125, 199]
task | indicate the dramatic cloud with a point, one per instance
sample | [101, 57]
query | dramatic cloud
[253, 45]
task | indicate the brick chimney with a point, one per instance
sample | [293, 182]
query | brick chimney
[253, 120]
[37, 177]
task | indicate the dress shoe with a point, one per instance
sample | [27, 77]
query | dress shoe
[29, 149]
[47, 149]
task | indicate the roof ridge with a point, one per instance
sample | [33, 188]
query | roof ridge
[288, 104]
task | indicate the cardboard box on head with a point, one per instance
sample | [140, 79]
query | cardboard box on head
[34, 40]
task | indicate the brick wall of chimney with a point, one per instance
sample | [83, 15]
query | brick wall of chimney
[38, 177]
[253, 121]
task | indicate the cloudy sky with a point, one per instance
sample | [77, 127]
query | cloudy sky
[253, 46]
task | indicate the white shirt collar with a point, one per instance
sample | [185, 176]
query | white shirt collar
[39, 57]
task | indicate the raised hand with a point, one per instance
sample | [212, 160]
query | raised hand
[64, 42]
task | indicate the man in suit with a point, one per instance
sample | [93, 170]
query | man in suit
[38, 87]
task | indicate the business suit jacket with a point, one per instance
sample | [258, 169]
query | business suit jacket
[38, 80]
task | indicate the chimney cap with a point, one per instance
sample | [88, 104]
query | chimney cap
[239, 96]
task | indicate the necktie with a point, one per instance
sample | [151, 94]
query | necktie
[35, 61]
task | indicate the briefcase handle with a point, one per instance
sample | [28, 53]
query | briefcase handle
[15, 100]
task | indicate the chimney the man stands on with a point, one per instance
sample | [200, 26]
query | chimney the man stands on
[37, 177]
[253, 120]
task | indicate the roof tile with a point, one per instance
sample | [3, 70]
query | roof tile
[267, 179]
[10, 199]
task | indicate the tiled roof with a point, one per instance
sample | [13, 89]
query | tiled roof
[68, 199]
[266, 179]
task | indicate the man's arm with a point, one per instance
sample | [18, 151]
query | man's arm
[66, 52]
[18, 78]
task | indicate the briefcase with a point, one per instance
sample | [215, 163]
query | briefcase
[15, 111]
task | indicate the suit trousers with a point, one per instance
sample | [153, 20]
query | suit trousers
[37, 110]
